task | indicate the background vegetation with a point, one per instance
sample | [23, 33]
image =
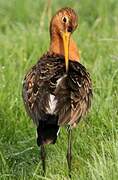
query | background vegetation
[24, 37]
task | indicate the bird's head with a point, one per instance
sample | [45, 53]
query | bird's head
[63, 23]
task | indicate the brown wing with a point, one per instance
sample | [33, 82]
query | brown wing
[74, 94]
[72, 91]
[38, 84]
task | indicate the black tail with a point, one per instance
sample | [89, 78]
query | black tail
[47, 130]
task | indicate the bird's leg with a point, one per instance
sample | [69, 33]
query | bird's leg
[69, 153]
[43, 156]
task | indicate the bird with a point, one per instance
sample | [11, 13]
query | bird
[57, 90]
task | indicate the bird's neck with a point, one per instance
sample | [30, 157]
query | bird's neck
[56, 46]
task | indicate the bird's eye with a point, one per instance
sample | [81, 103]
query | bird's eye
[65, 19]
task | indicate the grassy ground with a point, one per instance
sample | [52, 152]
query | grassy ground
[23, 38]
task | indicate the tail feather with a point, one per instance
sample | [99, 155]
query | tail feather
[47, 130]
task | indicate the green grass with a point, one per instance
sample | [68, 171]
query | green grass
[24, 37]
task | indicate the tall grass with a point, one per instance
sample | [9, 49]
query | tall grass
[24, 37]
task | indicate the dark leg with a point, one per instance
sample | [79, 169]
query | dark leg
[43, 156]
[69, 153]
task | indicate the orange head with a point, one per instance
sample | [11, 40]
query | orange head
[61, 27]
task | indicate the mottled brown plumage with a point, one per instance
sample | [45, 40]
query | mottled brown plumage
[73, 93]
[53, 95]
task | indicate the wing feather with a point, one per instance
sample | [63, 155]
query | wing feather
[73, 91]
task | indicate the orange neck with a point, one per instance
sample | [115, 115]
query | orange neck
[56, 46]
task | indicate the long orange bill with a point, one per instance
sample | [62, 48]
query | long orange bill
[66, 39]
